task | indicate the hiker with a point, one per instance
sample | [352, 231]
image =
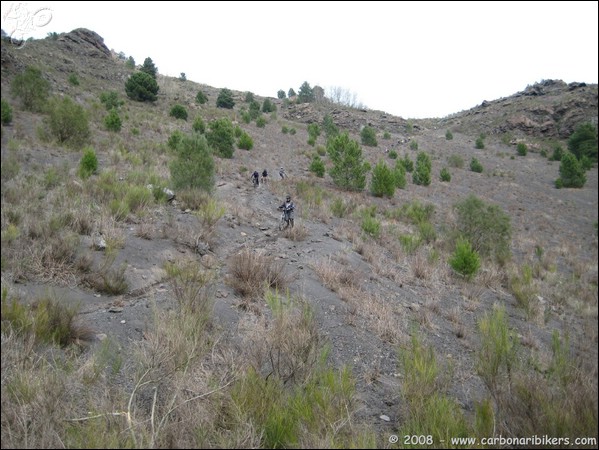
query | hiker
[264, 175]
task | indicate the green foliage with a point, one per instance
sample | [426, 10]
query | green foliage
[249, 97]
[201, 98]
[349, 169]
[445, 175]
[480, 142]
[112, 121]
[254, 110]
[88, 164]
[407, 163]
[422, 172]
[73, 79]
[261, 122]
[268, 106]
[198, 125]
[386, 135]
[571, 172]
[174, 139]
[193, 166]
[141, 87]
[465, 260]
[497, 355]
[399, 175]
[371, 226]
[225, 99]
[32, 89]
[475, 165]
[317, 166]
[130, 63]
[558, 152]
[281, 94]
[6, 113]
[313, 133]
[291, 93]
[221, 137]
[583, 142]
[455, 161]
[149, 67]
[111, 100]
[414, 145]
[306, 93]
[68, 122]
[383, 181]
[178, 112]
[485, 226]
[245, 141]
[368, 136]
[448, 135]
[522, 149]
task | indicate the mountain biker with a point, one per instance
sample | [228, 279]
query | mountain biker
[264, 175]
[282, 173]
[255, 178]
[288, 207]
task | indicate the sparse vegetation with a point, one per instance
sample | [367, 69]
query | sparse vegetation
[32, 88]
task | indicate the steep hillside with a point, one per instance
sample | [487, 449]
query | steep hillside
[196, 323]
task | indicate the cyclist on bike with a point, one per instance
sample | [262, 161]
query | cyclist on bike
[255, 178]
[282, 173]
[288, 207]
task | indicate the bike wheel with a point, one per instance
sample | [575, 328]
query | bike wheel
[283, 224]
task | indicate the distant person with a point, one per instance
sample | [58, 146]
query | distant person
[264, 176]
[255, 178]
[282, 173]
[288, 207]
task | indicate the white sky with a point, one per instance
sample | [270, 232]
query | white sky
[410, 59]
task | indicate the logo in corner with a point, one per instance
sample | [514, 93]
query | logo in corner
[21, 22]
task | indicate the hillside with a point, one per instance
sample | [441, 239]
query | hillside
[175, 342]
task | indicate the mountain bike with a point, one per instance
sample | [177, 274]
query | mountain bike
[286, 221]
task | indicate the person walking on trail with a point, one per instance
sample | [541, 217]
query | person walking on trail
[264, 175]
[288, 207]
[282, 173]
[255, 178]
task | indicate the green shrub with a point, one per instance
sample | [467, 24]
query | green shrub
[455, 161]
[558, 152]
[111, 100]
[329, 127]
[141, 87]
[268, 106]
[522, 149]
[174, 139]
[349, 169]
[368, 136]
[571, 172]
[371, 226]
[201, 98]
[313, 133]
[465, 260]
[448, 135]
[407, 163]
[317, 166]
[198, 125]
[386, 135]
[149, 67]
[193, 166]
[476, 166]
[32, 89]
[281, 94]
[225, 99]
[73, 79]
[422, 171]
[445, 175]
[221, 137]
[88, 164]
[68, 122]
[480, 142]
[485, 226]
[393, 154]
[413, 145]
[178, 112]
[383, 181]
[583, 142]
[112, 121]
[399, 175]
[260, 122]
[245, 141]
[6, 113]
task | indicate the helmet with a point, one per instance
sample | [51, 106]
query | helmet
[281, 168]
[288, 198]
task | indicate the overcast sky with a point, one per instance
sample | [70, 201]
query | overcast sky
[410, 59]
